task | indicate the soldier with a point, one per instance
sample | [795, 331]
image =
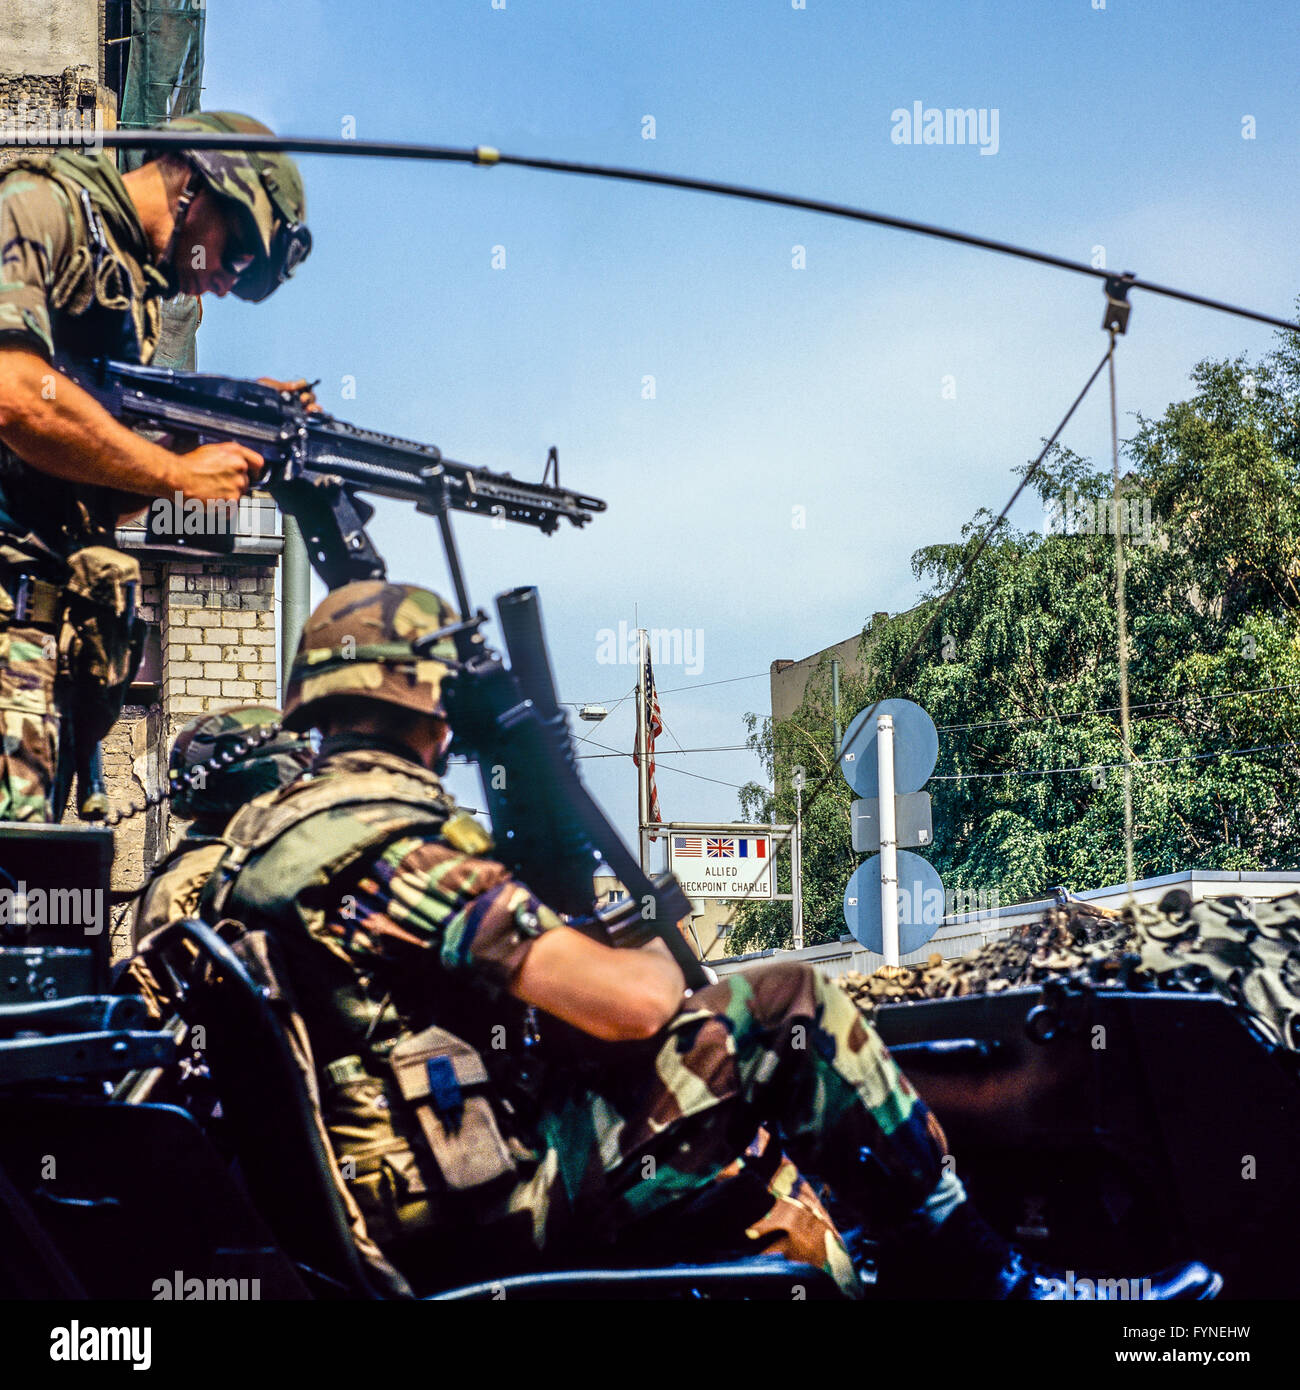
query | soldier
[423, 974]
[254, 756]
[86, 258]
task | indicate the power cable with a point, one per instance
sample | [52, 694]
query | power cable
[486, 155]
[680, 771]
[1109, 767]
[1114, 709]
[1121, 624]
[676, 689]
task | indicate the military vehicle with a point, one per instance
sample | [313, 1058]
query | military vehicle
[1098, 1124]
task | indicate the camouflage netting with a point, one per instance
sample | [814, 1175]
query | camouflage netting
[1249, 951]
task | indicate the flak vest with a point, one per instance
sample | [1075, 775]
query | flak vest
[106, 301]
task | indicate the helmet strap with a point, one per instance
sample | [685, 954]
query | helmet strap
[182, 211]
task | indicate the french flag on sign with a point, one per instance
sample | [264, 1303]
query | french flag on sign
[752, 848]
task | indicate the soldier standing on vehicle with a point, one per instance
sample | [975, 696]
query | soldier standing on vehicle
[492, 1072]
[86, 258]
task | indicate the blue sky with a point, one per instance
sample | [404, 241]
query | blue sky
[775, 388]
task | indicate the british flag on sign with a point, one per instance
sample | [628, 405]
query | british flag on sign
[720, 847]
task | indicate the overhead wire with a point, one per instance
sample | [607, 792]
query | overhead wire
[488, 156]
[1121, 623]
[1110, 767]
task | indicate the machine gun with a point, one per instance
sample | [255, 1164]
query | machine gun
[548, 829]
[318, 466]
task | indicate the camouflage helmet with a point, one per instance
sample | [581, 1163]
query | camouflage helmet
[254, 754]
[360, 642]
[267, 190]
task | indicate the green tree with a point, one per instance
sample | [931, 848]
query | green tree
[1022, 674]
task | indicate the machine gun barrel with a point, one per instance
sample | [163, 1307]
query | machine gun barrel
[319, 466]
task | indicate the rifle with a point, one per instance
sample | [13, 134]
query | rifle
[318, 465]
[549, 831]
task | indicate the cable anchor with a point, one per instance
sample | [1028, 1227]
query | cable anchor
[1117, 306]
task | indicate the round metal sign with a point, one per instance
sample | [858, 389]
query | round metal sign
[920, 903]
[916, 748]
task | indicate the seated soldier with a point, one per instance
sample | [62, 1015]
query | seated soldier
[488, 1069]
[218, 762]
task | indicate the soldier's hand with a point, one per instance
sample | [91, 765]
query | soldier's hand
[300, 388]
[219, 472]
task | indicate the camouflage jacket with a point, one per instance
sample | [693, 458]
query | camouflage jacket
[76, 276]
[174, 887]
[387, 914]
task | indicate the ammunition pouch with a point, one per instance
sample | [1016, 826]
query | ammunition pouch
[101, 636]
[443, 1079]
[417, 1148]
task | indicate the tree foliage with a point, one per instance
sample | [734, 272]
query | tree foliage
[1021, 674]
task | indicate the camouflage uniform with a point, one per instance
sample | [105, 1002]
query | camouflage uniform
[422, 927]
[78, 276]
[390, 917]
[88, 287]
[209, 797]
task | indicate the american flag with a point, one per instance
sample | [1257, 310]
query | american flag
[654, 727]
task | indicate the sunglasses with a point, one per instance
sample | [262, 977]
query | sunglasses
[236, 257]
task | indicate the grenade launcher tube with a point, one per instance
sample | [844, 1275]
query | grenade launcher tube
[583, 830]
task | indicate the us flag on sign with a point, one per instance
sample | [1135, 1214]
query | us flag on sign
[654, 727]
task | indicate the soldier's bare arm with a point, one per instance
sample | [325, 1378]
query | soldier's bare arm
[617, 996]
[53, 424]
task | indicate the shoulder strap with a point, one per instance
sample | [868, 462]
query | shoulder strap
[305, 835]
[100, 269]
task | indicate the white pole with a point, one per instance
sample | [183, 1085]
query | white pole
[642, 772]
[796, 868]
[888, 838]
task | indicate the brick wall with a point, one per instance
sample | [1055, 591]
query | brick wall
[71, 103]
[218, 635]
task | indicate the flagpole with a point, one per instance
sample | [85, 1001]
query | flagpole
[642, 775]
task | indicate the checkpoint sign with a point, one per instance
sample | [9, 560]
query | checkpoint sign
[722, 864]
